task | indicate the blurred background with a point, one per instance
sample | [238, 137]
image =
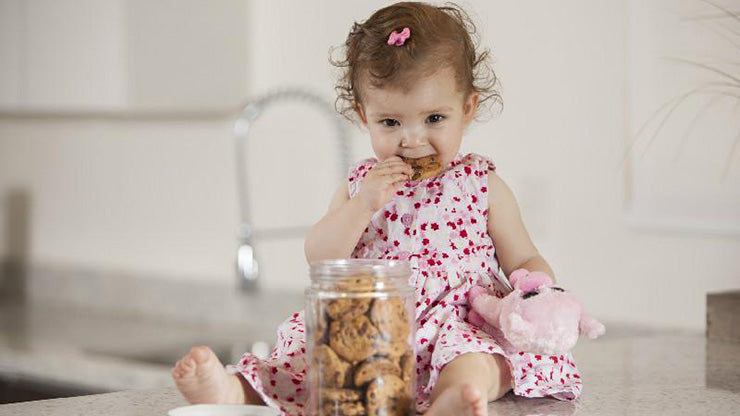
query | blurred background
[120, 188]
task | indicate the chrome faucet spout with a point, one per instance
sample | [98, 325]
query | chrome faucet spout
[247, 266]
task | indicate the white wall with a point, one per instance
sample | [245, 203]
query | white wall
[158, 196]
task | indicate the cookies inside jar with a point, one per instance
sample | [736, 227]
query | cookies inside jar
[362, 354]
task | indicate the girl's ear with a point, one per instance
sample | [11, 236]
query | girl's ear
[360, 113]
[469, 107]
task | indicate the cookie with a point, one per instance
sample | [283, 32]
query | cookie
[347, 308]
[387, 395]
[318, 332]
[424, 167]
[343, 409]
[353, 339]
[332, 369]
[390, 317]
[339, 395]
[360, 283]
[373, 368]
[391, 349]
[408, 366]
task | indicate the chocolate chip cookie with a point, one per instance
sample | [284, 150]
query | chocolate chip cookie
[353, 339]
[373, 368]
[341, 402]
[390, 317]
[424, 167]
[343, 409]
[408, 366]
[339, 395]
[347, 308]
[387, 395]
[332, 369]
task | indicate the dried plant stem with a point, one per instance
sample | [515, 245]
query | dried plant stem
[711, 103]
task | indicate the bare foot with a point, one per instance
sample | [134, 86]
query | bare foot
[201, 378]
[460, 400]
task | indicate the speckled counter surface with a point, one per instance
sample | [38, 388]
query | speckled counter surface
[129, 403]
[645, 372]
[629, 371]
[100, 351]
[105, 340]
[95, 344]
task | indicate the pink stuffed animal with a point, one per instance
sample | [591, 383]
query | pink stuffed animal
[535, 317]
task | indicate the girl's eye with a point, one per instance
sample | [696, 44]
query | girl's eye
[389, 122]
[435, 118]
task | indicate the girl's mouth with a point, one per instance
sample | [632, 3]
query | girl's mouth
[424, 167]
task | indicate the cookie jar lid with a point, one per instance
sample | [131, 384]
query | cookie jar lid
[361, 274]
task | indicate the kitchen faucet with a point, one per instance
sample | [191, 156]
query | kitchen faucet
[246, 261]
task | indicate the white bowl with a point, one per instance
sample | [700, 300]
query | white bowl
[223, 410]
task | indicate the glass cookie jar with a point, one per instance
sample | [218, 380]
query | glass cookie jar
[361, 330]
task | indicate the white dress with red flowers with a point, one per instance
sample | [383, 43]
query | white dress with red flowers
[439, 225]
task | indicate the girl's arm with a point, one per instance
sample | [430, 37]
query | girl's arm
[514, 248]
[337, 233]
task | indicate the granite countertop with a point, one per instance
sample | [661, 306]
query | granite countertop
[630, 371]
[129, 403]
[99, 332]
[91, 330]
[66, 345]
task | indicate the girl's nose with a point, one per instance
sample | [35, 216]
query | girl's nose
[413, 137]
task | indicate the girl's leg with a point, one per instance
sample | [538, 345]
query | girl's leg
[464, 390]
[250, 396]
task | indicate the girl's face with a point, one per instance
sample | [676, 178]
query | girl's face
[427, 119]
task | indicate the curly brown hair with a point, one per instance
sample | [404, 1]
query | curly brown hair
[441, 36]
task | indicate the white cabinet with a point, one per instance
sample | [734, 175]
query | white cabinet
[73, 55]
[122, 55]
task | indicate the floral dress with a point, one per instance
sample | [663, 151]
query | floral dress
[440, 226]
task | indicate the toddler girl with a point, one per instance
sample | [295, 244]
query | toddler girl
[414, 79]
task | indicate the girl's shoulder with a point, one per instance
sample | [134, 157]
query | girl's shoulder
[474, 163]
[359, 169]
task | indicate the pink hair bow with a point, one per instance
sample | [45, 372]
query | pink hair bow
[398, 39]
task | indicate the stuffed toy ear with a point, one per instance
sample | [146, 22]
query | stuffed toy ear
[516, 275]
[525, 280]
[590, 327]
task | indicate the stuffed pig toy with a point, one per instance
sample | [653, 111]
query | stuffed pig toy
[535, 316]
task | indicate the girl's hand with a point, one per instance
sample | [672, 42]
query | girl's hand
[383, 181]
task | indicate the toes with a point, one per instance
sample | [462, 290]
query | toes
[186, 366]
[200, 354]
[179, 370]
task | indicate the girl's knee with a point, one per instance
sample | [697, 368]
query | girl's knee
[498, 374]
[499, 371]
